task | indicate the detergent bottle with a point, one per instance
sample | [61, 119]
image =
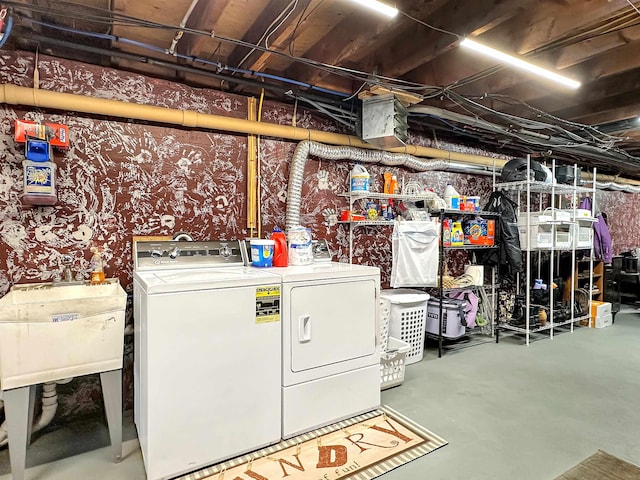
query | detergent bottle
[359, 179]
[452, 197]
[97, 267]
[280, 254]
[457, 234]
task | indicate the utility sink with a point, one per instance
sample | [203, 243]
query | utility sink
[48, 333]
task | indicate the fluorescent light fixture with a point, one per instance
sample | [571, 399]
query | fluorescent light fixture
[521, 64]
[380, 7]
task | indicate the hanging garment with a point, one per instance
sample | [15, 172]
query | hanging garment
[415, 254]
[602, 243]
[509, 252]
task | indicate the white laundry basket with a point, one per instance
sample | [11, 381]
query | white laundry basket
[407, 319]
[392, 363]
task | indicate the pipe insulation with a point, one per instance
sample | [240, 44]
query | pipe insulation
[16, 95]
[306, 148]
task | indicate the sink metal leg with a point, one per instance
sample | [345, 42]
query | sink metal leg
[18, 407]
[112, 394]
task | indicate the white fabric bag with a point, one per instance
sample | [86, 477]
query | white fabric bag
[415, 254]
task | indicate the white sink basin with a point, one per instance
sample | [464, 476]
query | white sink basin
[48, 333]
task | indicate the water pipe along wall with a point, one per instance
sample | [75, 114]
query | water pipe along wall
[123, 177]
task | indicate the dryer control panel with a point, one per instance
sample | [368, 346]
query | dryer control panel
[172, 254]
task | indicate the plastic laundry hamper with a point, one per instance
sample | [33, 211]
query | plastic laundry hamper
[392, 363]
[407, 319]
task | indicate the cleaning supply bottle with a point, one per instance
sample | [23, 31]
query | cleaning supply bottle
[446, 232]
[97, 268]
[457, 234]
[359, 179]
[452, 197]
[280, 254]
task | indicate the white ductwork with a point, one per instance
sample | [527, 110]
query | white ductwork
[328, 152]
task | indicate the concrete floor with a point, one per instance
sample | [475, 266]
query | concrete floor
[508, 411]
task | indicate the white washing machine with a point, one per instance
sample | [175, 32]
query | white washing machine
[331, 351]
[207, 355]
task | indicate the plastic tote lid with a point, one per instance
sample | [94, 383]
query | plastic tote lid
[404, 295]
[258, 241]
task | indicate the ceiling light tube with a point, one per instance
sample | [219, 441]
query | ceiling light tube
[380, 7]
[521, 64]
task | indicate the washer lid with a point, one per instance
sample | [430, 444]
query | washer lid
[324, 270]
[181, 280]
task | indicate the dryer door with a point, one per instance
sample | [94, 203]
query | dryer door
[331, 323]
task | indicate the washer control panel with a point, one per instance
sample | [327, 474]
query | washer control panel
[175, 254]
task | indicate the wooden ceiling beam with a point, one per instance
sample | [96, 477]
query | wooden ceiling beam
[612, 72]
[582, 99]
[283, 36]
[259, 27]
[419, 44]
[553, 20]
[612, 108]
[582, 51]
[537, 28]
[204, 17]
[357, 36]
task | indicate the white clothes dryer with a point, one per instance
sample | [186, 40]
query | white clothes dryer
[331, 351]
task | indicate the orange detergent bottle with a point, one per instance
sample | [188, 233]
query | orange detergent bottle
[280, 254]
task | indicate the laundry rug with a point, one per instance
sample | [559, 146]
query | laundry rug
[360, 448]
[602, 466]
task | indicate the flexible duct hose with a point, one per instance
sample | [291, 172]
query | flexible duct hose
[327, 152]
[617, 187]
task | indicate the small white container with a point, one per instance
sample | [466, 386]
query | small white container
[262, 252]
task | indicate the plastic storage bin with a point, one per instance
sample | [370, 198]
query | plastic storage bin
[392, 363]
[564, 236]
[540, 231]
[407, 319]
[584, 236]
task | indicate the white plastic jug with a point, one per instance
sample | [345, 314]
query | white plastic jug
[359, 179]
[452, 197]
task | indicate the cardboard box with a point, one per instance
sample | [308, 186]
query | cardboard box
[56, 133]
[479, 231]
[600, 322]
[600, 314]
[600, 308]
